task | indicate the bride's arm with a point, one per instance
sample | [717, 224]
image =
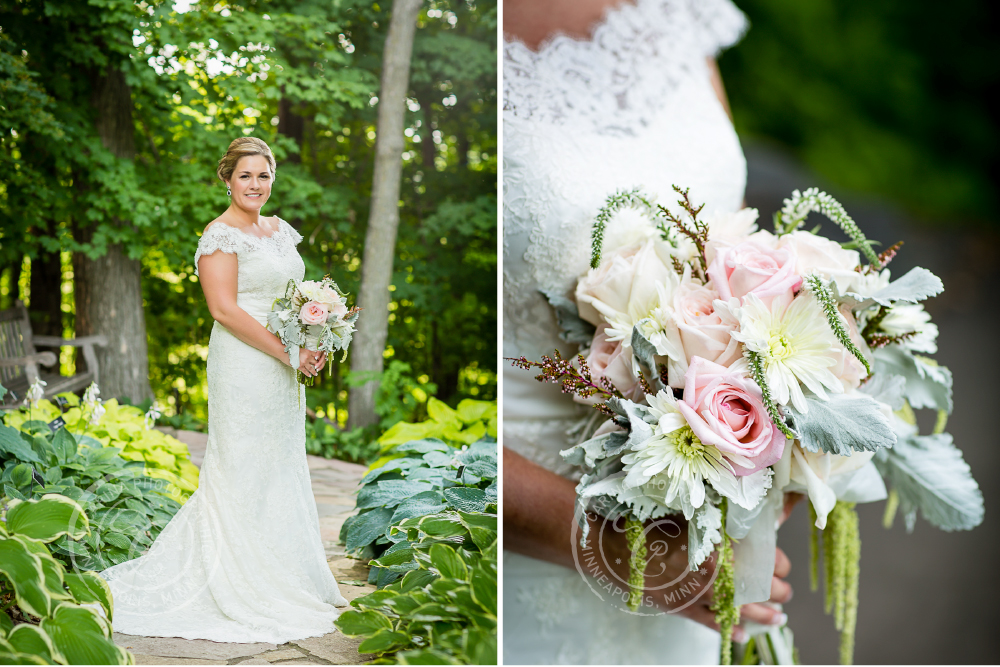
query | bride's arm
[538, 515]
[218, 273]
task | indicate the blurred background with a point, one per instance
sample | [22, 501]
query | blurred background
[890, 106]
[113, 116]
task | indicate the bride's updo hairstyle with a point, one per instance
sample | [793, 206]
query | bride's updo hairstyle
[243, 147]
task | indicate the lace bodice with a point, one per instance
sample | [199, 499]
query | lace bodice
[265, 263]
[633, 106]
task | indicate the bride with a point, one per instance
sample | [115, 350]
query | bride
[599, 95]
[242, 561]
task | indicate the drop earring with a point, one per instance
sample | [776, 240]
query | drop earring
[229, 192]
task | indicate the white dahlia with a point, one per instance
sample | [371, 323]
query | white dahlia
[795, 344]
[673, 466]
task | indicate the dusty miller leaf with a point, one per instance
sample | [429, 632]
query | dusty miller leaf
[572, 328]
[929, 474]
[843, 424]
[927, 386]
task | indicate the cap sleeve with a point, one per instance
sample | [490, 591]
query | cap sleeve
[719, 24]
[217, 237]
[292, 233]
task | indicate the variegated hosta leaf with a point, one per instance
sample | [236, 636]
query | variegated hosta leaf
[843, 424]
[929, 474]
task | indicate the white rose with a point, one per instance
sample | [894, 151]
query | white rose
[626, 280]
[821, 255]
[704, 331]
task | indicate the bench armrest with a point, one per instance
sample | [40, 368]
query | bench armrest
[56, 341]
[43, 358]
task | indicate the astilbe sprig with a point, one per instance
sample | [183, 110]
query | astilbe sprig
[621, 199]
[727, 614]
[757, 373]
[801, 204]
[826, 301]
[577, 381]
[876, 341]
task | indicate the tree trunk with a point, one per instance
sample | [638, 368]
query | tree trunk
[383, 220]
[109, 288]
[291, 125]
[46, 295]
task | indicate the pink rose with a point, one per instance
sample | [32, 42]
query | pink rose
[752, 267]
[608, 360]
[725, 410]
[704, 332]
[313, 312]
[339, 309]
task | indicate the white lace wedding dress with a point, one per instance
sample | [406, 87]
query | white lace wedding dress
[633, 106]
[242, 560]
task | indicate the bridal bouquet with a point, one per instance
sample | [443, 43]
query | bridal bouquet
[313, 314]
[736, 365]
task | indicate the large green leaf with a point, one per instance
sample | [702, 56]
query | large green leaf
[426, 656]
[12, 445]
[484, 589]
[52, 569]
[48, 518]
[24, 570]
[82, 636]
[417, 580]
[448, 562]
[389, 493]
[466, 499]
[64, 446]
[384, 640]
[367, 527]
[482, 528]
[8, 656]
[422, 504]
[357, 623]
[27, 638]
[91, 587]
[20, 475]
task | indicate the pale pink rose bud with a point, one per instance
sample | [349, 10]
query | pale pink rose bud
[313, 312]
[607, 359]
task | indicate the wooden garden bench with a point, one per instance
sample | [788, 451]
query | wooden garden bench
[20, 362]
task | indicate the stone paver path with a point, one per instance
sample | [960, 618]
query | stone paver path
[333, 483]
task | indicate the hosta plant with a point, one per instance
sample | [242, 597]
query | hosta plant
[127, 508]
[444, 609]
[50, 615]
[123, 427]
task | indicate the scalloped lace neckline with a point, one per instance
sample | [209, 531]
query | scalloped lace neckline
[559, 36]
[279, 230]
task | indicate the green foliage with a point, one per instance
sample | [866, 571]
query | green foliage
[757, 373]
[427, 476]
[887, 98]
[466, 424]
[636, 536]
[444, 609]
[620, 199]
[50, 615]
[800, 205]
[123, 427]
[123, 508]
[304, 77]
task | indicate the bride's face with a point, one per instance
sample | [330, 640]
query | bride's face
[251, 182]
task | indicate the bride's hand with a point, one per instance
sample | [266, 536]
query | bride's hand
[320, 361]
[307, 362]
